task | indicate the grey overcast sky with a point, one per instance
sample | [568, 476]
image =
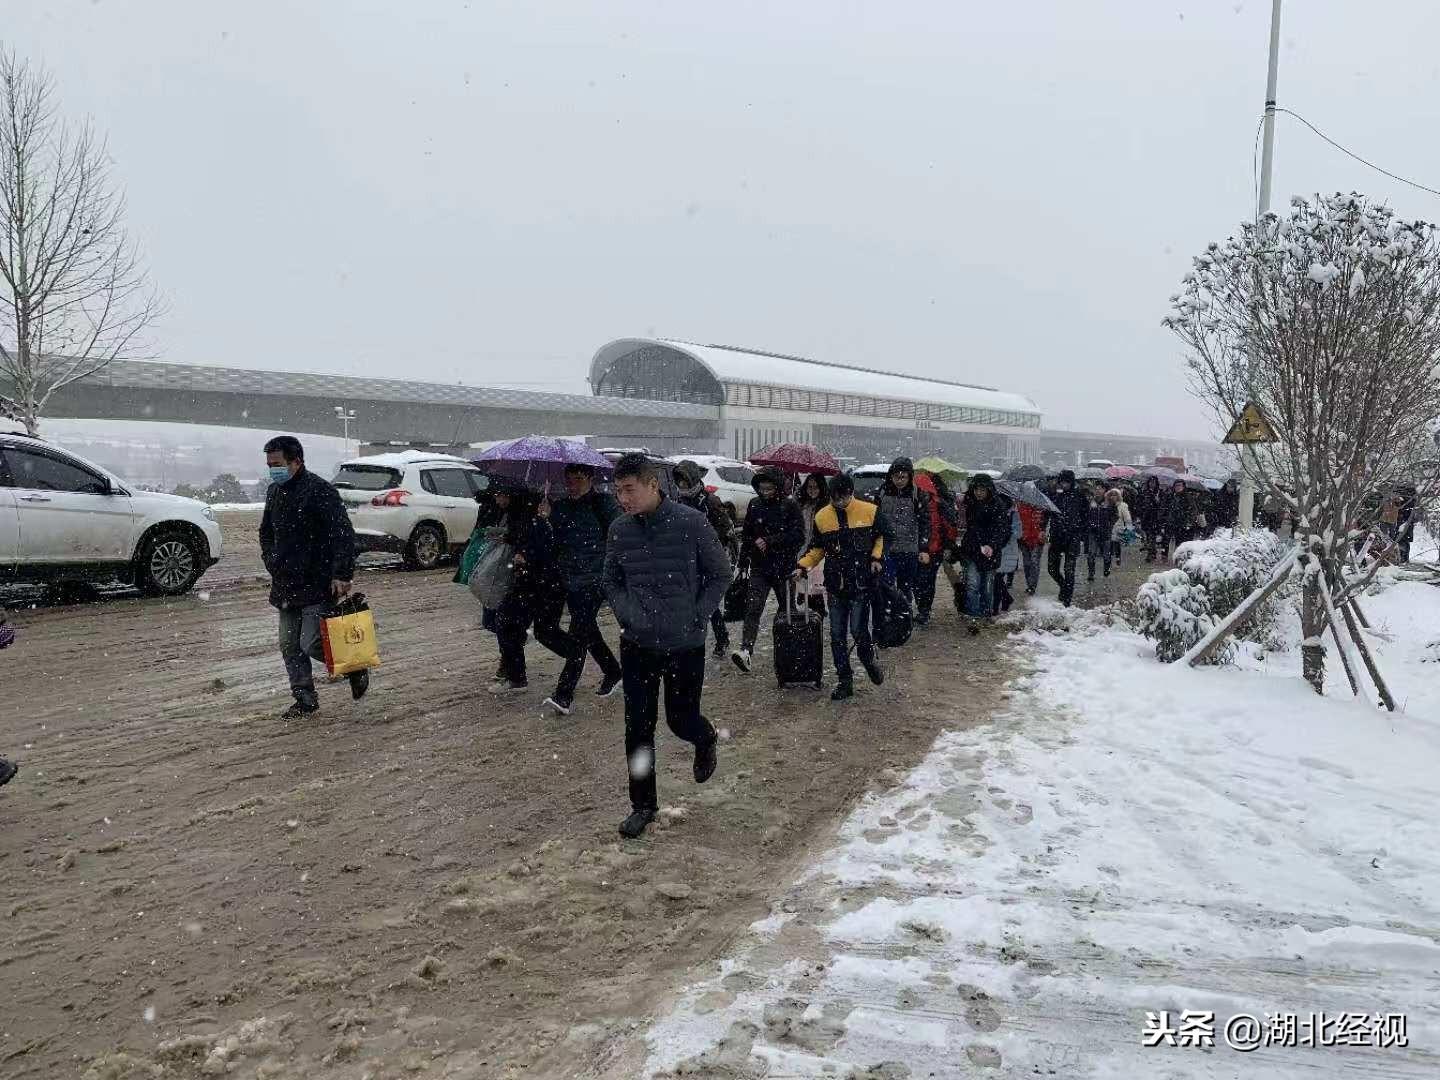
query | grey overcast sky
[487, 192]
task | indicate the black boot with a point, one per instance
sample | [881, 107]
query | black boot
[845, 688]
[705, 760]
[8, 769]
[359, 683]
[299, 709]
[635, 824]
[872, 669]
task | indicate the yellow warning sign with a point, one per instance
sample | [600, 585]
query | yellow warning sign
[1251, 427]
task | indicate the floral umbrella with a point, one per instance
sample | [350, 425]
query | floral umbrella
[797, 458]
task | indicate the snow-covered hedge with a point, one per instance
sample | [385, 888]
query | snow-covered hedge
[1174, 612]
[1176, 608]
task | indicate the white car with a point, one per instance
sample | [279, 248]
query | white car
[415, 504]
[65, 519]
[868, 479]
[725, 478]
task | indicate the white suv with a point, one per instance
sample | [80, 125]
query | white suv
[418, 505]
[727, 479]
[64, 519]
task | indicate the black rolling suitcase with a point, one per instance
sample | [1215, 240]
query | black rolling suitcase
[799, 638]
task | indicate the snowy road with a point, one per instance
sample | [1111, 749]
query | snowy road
[1124, 839]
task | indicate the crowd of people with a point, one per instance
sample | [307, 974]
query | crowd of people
[664, 566]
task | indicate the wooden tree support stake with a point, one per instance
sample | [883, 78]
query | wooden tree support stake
[1217, 636]
[1370, 664]
[1346, 660]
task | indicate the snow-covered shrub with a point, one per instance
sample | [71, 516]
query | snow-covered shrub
[1211, 577]
[1174, 611]
[1232, 565]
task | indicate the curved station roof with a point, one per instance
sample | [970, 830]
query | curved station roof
[734, 365]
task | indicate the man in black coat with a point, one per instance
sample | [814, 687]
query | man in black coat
[308, 547]
[690, 486]
[1067, 533]
[581, 523]
[665, 573]
[771, 539]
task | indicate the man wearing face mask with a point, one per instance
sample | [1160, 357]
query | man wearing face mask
[308, 546]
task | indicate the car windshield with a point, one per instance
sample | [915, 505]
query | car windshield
[367, 477]
[736, 474]
[866, 484]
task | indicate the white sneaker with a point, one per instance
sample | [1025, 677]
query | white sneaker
[554, 704]
[505, 686]
[741, 657]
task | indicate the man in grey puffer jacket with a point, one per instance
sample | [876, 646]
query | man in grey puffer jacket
[907, 509]
[665, 574]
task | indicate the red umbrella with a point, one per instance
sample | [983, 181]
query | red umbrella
[1119, 472]
[797, 458]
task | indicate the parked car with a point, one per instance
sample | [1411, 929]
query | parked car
[664, 466]
[414, 504]
[726, 479]
[65, 519]
[868, 479]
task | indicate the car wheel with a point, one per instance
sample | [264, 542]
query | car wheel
[426, 547]
[169, 564]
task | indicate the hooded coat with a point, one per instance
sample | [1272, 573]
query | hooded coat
[988, 523]
[944, 516]
[908, 511]
[1067, 527]
[1151, 505]
[778, 522]
[690, 488]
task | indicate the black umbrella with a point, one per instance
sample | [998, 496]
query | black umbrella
[1020, 473]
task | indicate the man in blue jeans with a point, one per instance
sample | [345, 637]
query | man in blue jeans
[308, 546]
[850, 536]
[907, 510]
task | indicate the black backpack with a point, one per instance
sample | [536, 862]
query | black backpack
[890, 616]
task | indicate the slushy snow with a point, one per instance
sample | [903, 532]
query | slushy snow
[1128, 838]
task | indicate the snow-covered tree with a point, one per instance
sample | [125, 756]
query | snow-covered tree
[1329, 320]
[73, 294]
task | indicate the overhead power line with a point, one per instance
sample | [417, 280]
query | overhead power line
[1351, 154]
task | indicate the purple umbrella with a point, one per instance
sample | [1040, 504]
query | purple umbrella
[539, 460]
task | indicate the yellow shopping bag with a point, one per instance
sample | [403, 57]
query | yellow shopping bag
[348, 637]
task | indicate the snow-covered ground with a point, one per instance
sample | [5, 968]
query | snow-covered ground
[1128, 839]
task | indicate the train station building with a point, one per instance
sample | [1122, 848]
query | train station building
[861, 414]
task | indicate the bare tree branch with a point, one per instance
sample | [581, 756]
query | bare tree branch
[1329, 320]
[74, 294]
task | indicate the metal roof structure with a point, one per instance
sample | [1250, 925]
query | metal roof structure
[149, 374]
[729, 364]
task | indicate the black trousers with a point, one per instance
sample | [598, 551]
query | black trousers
[721, 628]
[761, 586]
[583, 638]
[1061, 564]
[683, 676]
[512, 621]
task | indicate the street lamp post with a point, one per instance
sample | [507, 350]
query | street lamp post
[345, 417]
[1267, 162]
